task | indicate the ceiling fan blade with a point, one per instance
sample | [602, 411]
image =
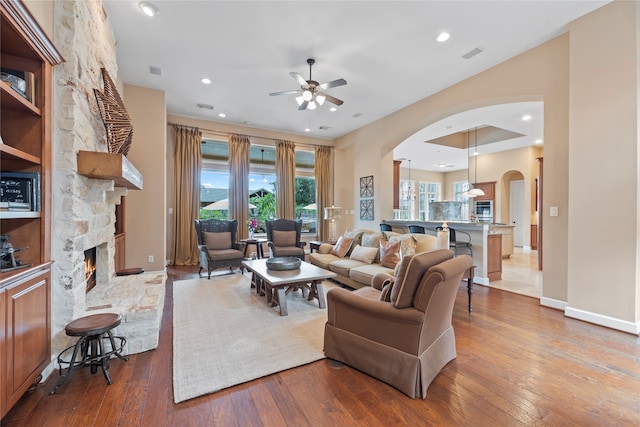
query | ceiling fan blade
[332, 99]
[334, 83]
[286, 92]
[303, 106]
[301, 81]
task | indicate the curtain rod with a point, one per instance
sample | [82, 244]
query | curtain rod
[226, 134]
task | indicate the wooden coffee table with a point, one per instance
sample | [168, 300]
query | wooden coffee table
[277, 284]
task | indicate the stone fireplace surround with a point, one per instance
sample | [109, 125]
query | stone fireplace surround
[83, 214]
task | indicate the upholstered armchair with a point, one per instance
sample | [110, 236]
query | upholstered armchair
[218, 246]
[399, 330]
[283, 237]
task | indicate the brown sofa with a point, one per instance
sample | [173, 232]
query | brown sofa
[355, 273]
[399, 329]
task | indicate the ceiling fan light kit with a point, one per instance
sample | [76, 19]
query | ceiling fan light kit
[310, 94]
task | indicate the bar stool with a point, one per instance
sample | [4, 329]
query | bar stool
[93, 330]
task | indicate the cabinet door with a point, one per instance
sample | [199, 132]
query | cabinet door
[488, 188]
[3, 353]
[28, 333]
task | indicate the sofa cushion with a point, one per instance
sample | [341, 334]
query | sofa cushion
[389, 253]
[364, 273]
[225, 254]
[342, 246]
[284, 238]
[296, 251]
[322, 260]
[360, 253]
[356, 235]
[343, 266]
[425, 242]
[217, 241]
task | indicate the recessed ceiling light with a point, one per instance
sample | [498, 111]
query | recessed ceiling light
[333, 109]
[223, 115]
[205, 80]
[442, 165]
[538, 141]
[443, 36]
[526, 117]
[149, 9]
[307, 130]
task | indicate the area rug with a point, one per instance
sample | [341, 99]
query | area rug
[225, 334]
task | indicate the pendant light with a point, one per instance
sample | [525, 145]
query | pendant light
[473, 192]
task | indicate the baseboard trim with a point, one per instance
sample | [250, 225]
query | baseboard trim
[602, 320]
[553, 303]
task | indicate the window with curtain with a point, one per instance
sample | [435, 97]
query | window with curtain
[262, 184]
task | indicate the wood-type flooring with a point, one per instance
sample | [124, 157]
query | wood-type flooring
[518, 364]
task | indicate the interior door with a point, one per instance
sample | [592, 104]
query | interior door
[516, 211]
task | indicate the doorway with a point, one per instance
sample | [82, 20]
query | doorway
[516, 211]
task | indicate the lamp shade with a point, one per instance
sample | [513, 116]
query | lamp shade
[333, 212]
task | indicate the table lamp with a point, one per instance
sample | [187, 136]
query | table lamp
[332, 214]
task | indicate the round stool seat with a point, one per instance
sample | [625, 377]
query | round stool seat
[95, 324]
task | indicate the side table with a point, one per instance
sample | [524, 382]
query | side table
[315, 245]
[257, 243]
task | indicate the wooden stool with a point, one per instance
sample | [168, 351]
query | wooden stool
[92, 330]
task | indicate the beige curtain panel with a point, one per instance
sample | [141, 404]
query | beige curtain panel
[188, 164]
[285, 179]
[323, 195]
[239, 162]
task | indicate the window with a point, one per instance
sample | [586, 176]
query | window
[429, 192]
[460, 187]
[407, 200]
[214, 184]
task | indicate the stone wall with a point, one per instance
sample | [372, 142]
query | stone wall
[83, 209]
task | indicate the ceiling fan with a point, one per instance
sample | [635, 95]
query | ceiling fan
[311, 92]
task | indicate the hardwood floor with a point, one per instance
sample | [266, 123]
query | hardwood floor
[518, 364]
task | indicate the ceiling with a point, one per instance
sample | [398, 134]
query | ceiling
[385, 50]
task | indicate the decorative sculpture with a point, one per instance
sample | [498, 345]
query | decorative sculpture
[116, 120]
[8, 260]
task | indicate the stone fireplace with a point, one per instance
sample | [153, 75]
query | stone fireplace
[84, 208]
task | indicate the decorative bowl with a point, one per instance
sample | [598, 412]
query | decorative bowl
[283, 263]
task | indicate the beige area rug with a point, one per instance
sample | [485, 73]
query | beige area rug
[224, 334]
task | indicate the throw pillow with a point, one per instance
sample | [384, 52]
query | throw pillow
[407, 244]
[372, 240]
[217, 241]
[342, 246]
[356, 235]
[389, 253]
[360, 253]
[284, 238]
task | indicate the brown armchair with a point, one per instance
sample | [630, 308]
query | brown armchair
[399, 329]
[283, 237]
[218, 246]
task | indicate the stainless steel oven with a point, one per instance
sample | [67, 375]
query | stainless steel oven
[484, 210]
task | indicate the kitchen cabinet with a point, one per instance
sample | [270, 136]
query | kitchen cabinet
[489, 189]
[534, 236]
[25, 149]
[506, 232]
[494, 257]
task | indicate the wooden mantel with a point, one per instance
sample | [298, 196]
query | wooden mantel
[113, 166]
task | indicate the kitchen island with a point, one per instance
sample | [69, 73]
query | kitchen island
[486, 246]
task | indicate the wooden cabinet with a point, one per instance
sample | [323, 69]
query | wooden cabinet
[25, 148]
[27, 343]
[534, 236]
[489, 189]
[494, 257]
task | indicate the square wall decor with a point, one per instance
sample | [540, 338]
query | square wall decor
[366, 186]
[366, 210]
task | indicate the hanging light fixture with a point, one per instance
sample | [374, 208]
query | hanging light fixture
[408, 195]
[473, 192]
